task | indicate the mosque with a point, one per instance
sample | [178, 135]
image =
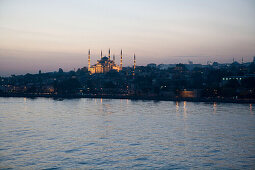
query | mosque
[105, 64]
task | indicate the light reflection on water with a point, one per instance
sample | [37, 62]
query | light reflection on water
[104, 133]
[214, 107]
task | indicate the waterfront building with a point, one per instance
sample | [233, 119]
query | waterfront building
[105, 64]
[238, 78]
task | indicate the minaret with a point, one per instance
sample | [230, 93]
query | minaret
[109, 56]
[134, 67]
[89, 59]
[101, 54]
[134, 62]
[113, 57]
[121, 59]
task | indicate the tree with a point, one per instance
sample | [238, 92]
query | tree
[60, 70]
[68, 86]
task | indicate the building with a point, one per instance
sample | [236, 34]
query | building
[238, 78]
[190, 93]
[152, 65]
[166, 66]
[105, 64]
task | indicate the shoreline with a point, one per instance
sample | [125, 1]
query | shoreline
[158, 98]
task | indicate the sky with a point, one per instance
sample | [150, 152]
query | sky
[49, 34]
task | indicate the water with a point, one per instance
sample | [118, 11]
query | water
[105, 134]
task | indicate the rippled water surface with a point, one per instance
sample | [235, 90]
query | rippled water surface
[101, 133]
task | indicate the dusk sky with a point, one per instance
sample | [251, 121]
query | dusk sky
[49, 34]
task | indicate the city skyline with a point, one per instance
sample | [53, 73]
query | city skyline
[46, 35]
